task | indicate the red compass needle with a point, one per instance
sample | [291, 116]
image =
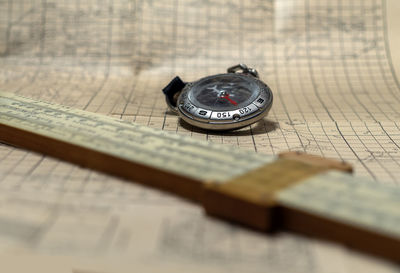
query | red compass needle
[229, 99]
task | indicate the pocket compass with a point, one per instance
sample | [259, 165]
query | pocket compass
[221, 102]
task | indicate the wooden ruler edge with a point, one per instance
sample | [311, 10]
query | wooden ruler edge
[181, 185]
[362, 239]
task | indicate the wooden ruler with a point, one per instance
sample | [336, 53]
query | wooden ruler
[298, 192]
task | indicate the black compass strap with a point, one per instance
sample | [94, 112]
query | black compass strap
[175, 86]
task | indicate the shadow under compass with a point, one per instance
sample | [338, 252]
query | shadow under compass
[260, 127]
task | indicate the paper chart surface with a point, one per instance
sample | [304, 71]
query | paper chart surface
[332, 68]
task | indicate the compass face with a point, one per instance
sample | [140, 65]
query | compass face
[224, 101]
[224, 92]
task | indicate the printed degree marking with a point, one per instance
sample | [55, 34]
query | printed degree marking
[245, 110]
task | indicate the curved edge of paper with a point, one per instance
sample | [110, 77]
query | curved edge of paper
[393, 34]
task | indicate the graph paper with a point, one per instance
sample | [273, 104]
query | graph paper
[330, 64]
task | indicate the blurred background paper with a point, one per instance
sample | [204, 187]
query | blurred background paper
[331, 65]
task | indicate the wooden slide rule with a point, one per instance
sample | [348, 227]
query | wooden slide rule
[297, 192]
